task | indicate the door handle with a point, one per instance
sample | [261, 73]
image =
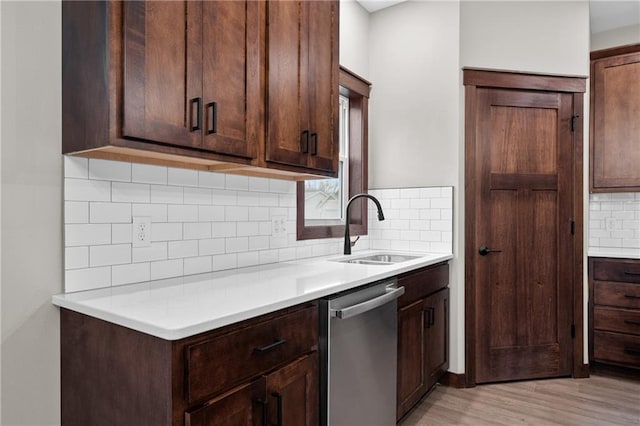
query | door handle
[278, 398]
[198, 119]
[360, 308]
[213, 126]
[484, 250]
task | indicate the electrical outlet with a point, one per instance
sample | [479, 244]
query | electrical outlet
[141, 231]
[279, 226]
[610, 223]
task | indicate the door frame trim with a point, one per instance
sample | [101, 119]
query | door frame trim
[473, 79]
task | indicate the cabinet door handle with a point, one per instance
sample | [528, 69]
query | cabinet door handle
[278, 398]
[428, 319]
[632, 351]
[214, 118]
[305, 141]
[314, 144]
[198, 103]
[632, 273]
[632, 322]
[265, 411]
[271, 346]
[632, 296]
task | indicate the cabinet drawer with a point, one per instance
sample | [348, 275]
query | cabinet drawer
[423, 282]
[616, 294]
[228, 360]
[617, 348]
[620, 320]
[620, 270]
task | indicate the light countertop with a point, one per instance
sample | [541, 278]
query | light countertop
[176, 308]
[624, 253]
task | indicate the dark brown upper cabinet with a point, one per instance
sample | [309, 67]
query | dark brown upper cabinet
[615, 119]
[203, 84]
[303, 83]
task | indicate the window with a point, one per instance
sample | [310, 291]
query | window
[321, 203]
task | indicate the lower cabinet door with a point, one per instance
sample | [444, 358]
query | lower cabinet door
[436, 348]
[292, 392]
[411, 372]
[244, 405]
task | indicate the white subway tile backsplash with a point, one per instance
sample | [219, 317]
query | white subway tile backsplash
[182, 177]
[129, 192]
[109, 212]
[157, 212]
[614, 220]
[76, 167]
[207, 221]
[86, 190]
[76, 257]
[121, 233]
[145, 173]
[115, 254]
[166, 231]
[224, 261]
[76, 212]
[197, 231]
[211, 246]
[167, 269]
[87, 279]
[87, 235]
[237, 182]
[197, 265]
[109, 170]
[197, 196]
[211, 180]
[182, 213]
[156, 251]
[131, 273]
[178, 249]
[161, 194]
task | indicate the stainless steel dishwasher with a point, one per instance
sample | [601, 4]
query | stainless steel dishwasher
[358, 348]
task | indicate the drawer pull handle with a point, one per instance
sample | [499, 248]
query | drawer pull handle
[278, 398]
[637, 274]
[632, 296]
[632, 322]
[632, 351]
[271, 346]
[265, 411]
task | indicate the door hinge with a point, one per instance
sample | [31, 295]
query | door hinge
[574, 118]
[573, 331]
[573, 227]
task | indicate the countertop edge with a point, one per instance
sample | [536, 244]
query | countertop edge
[180, 333]
[619, 253]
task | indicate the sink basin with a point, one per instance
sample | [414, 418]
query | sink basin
[380, 259]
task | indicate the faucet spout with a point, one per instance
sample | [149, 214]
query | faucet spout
[347, 239]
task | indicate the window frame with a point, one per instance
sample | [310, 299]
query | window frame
[357, 90]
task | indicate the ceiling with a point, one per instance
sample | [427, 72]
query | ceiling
[604, 14]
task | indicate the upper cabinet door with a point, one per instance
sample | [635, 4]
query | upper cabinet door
[615, 118]
[322, 81]
[302, 92]
[232, 77]
[162, 86]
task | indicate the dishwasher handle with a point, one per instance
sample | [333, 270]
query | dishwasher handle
[391, 293]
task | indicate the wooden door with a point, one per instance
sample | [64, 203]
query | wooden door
[412, 322]
[523, 215]
[162, 85]
[436, 348]
[232, 77]
[293, 393]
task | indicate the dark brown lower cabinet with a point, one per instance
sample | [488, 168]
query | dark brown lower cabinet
[423, 334]
[259, 371]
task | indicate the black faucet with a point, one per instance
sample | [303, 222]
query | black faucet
[347, 239]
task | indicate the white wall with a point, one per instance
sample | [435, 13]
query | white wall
[354, 37]
[617, 37]
[31, 212]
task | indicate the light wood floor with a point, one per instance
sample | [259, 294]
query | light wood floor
[598, 400]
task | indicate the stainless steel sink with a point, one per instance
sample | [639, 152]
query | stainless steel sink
[380, 259]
